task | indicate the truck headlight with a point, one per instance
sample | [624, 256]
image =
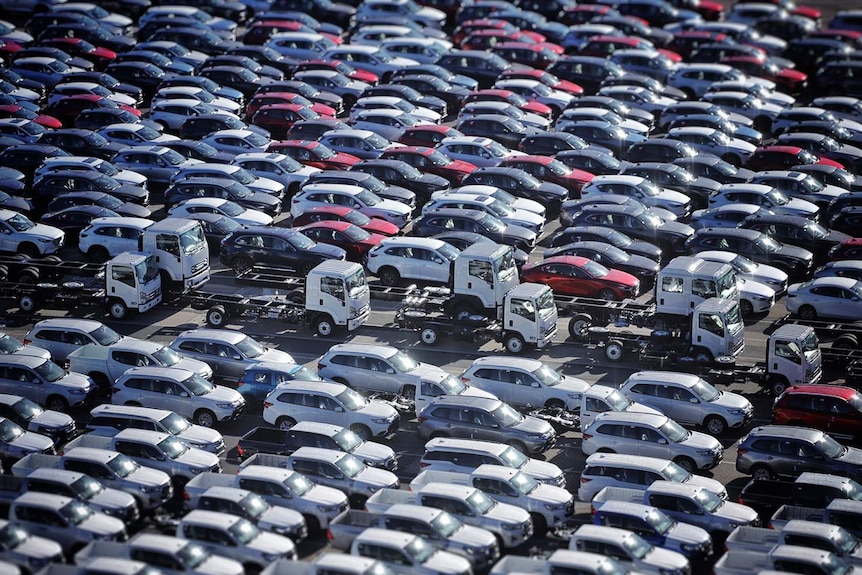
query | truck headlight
[329, 508]
[692, 547]
[555, 506]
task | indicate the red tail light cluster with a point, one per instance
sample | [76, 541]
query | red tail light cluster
[267, 404]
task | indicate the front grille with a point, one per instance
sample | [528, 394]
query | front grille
[199, 267]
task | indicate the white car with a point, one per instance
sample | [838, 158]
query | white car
[356, 197]
[791, 116]
[489, 205]
[557, 100]
[757, 87]
[695, 79]
[746, 269]
[19, 235]
[766, 197]
[479, 151]
[300, 45]
[199, 94]
[172, 113]
[73, 88]
[237, 141]
[242, 216]
[638, 97]
[574, 115]
[90, 164]
[761, 113]
[231, 172]
[105, 238]
[754, 297]
[640, 189]
[389, 123]
[478, 108]
[829, 297]
[369, 58]
[392, 103]
[513, 202]
[424, 15]
[714, 141]
[424, 259]
[277, 167]
[134, 135]
[423, 50]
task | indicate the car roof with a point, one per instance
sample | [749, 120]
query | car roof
[328, 387]
[224, 335]
[525, 363]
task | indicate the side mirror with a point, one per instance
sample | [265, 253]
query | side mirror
[390, 370]
[693, 400]
[339, 409]
[535, 384]
[662, 441]
[184, 394]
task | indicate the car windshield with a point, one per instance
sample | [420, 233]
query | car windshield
[350, 466]
[11, 536]
[173, 447]
[674, 432]
[258, 141]
[547, 375]
[834, 565]
[250, 348]
[452, 385]
[20, 223]
[829, 447]
[767, 243]
[743, 264]
[524, 483]
[191, 555]
[231, 209]
[254, 505]
[481, 502]
[175, 424]
[618, 401]
[75, 512]
[636, 545]
[649, 219]
[660, 522]
[9, 430]
[705, 391]
[351, 399]
[9, 344]
[778, 198]
[368, 198]
[596, 270]
[708, 500]
[86, 487]
[507, 416]
[402, 362]
[50, 371]
[244, 531]
[346, 440]
[123, 465]
[298, 484]
[511, 457]
[446, 524]
[816, 230]
[356, 233]
[419, 550]
[26, 409]
[198, 386]
[492, 224]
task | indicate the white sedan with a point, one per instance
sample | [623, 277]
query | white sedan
[833, 297]
[227, 208]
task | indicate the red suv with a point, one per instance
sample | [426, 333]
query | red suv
[834, 409]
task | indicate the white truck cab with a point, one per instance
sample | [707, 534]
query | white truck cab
[338, 289]
[181, 253]
[687, 281]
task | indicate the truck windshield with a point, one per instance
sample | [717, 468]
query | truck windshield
[547, 375]
[123, 465]
[636, 545]
[192, 241]
[504, 266]
[659, 521]
[175, 424]
[506, 415]
[674, 432]
[610, 567]
[192, 555]
[852, 490]
[419, 550]
[86, 487]
[173, 447]
[346, 440]
[451, 385]
[734, 320]
[350, 465]
[356, 284]
[250, 347]
[351, 400]
[298, 373]
[481, 502]
[147, 270]
[11, 536]
[197, 385]
[166, 356]
[727, 285]
[675, 473]
[513, 458]
[708, 500]
[378, 568]
[254, 505]
[618, 401]
[446, 524]
[403, 362]
[75, 512]
[546, 304]
[50, 371]
[9, 431]
[9, 344]
[298, 484]
[705, 391]
[26, 409]
[244, 531]
[523, 483]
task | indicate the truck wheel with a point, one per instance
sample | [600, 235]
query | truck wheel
[540, 525]
[57, 403]
[614, 350]
[241, 265]
[715, 425]
[608, 294]
[205, 418]
[102, 382]
[463, 310]
[777, 385]
[515, 344]
[429, 336]
[117, 309]
[324, 326]
[807, 313]
[389, 276]
[216, 316]
[27, 303]
[296, 296]
[579, 324]
[357, 501]
[363, 432]
[703, 355]
[846, 341]
[762, 472]
[745, 307]
[4, 273]
[251, 568]
[555, 404]
[98, 254]
[285, 423]
[686, 463]
[28, 276]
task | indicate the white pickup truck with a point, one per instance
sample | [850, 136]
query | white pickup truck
[803, 559]
[409, 553]
[797, 532]
[560, 561]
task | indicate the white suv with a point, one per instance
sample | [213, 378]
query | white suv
[325, 402]
[356, 197]
[18, 234]
[105, 238]
[424, 259]
[490, 205]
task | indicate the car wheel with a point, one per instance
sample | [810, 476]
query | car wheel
[745, 308]
[715, 425]
[540, 524]
[686, 463]
[389, 276]
[29, 250]
[285, 423]
[98, 254]
[241, 265]
[762, 472]
[807, 313]
[608, 294]
[57, 403]
[205, 418]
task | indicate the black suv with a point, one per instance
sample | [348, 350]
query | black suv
[81, 142]
[400, 173]
[796, 231]
[437, 221]
[221, 188]
[756, 246]
[519, 183]
[281, 248]
[484, 66]
[54, 184]
[674, 177]
[605, 235]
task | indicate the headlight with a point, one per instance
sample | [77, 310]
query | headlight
[555, 506]
[271, 556]
[736, 411]
[574, 395]
[704, 452]
[45, 240]
[380, 420]
[692, 547]
[225, 405]
[328, 508]
[511, 526]
[537, 436]
[78, 391]
[151, 488]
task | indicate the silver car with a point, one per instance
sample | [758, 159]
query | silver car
[227, 352]
[485, 419]
[61, 336]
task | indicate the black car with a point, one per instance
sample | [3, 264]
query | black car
[282, 248]
[438, 221]
[842, 78]
[93, 34]
[832, 175]
[307, 91]
[824, 146]
[596, 163]
[265, 56]
[81, 142]
[611, 257]
[221, 188]
[197, 127]
[236, 77]
[432, 86]
[551, 143]
[519, 183]
[106, 80]
[675, 177]
[15, 203]
[53, 184]
[98, 118]
[28, 157]
[690, 107]
[797, 231]
[199, 151]
[459, 81]
[57, 54]
[100, 199]
[587, 72]
[756, 246]
[851, 200]
[847, 220]
[483, 66]
[370, 183]
[572, 207]
[504, 129]
[228, 9]
[659, 150]
[14, 183]
[410, 95]
[402, 174]
[604, 135]
[203, 83]
[314, 129]
[639, 223]
[142, 74]
[806, 52]
[830, 128]
[216, 228]
[462, 240]
[644, 81]
[194, 39]
[714, 168]
[253, 66]
[618, 107]
[74, 219]
[605, 235]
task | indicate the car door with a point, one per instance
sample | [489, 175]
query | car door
[434, 266]
[325, 409]
[649, 442]
[682, 404]
[169, 395]
[848, 305]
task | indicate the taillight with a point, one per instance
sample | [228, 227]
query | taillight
[240, 383]
[186, 495]
[465, 379]
[240, 451]
[585, 480]
[115, 390]
[586, 436]
[329, 536]
[421, 419]
[27, 341]
[267, 404]
[422, 464]
[320, 366]
[592, 509]
[741, 452]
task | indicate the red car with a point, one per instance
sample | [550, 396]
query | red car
[313, 154]
[603, 46]
[427, 134]
[847, 250]
[574, 275]
[510, 97]
[338, 66]
[66, 109]
[345, 214]
[352, 239]
[432, 161]
[470, 26]
[551, 170]
[490, 37]
[544, 77]
[259, 100]
[99, 56]
[16, 111]
[784, 158]
[787, 80]
[277, 119]
[830, 408]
